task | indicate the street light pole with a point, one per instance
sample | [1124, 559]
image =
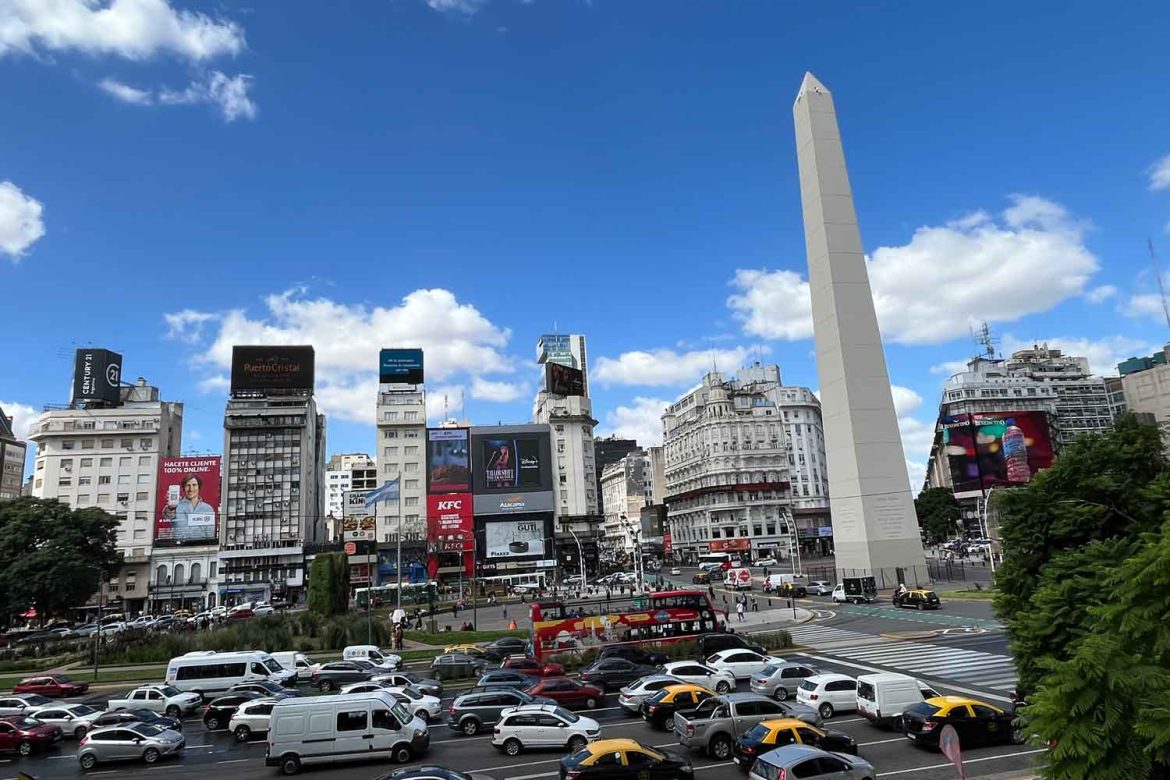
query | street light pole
[986, 530]
[580, 555]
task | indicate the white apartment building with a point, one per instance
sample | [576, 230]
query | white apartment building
[571, 418]
[94, 455]
[626, 487]
[727, 476]
[12, 457]
[1145, 385]
[346, 471]
[1082, 400]
[401, 451]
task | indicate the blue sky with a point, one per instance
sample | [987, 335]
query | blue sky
[177, 176]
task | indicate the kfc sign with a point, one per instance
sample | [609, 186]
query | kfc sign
[455, 505]
[449, 514]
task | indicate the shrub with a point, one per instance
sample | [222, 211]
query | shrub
[774, 640]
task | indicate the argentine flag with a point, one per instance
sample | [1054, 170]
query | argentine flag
[388, 492]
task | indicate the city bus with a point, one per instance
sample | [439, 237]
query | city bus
[504, 584]
[387, 595]
[653, 618]
[717, 559]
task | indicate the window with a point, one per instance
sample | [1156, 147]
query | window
[144, 460]
[124, 460]
[389, 434]
[959, 713]
[142, 495]
[123, 479]
[107, 443]
[123, 498]
[412, 484]
[87, 444]
[144, 444]
[64, 482]
[352, 721]
[106, 462]
[68, 444]
[127, 443]
[983, 712]
[383, 719]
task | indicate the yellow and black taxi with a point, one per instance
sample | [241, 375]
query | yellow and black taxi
[975, 722]
[778, 732]
[475, 651]
[658, 710]
[702, 578]
[611, 758]
[918, 598]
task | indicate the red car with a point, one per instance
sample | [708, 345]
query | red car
[568, 693]
[532, 667]
[23, 734]
[52, 685]
[240, 614]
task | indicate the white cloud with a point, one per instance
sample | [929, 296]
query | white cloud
[642, 421]
[946, 280]
[949, 367]
[1101, 294]
[460, 7]
[213, 383]
[1159, 174]
[23, 416]
[228, 94]
[132, 29]
[1103, 353]
[906, 401]
[186, 325]
[500, 392]
[1146, 306]
[448, 398]
[125, 92]
[668, 367]
[20, 220]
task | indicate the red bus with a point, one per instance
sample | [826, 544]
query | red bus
[657, 618]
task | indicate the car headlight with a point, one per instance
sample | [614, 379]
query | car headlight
[418, 733]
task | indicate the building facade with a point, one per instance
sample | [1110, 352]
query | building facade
[627, 486]
[1145, 384]
[12, 457]
[345, 472]
[1082, 400]
[401, 453]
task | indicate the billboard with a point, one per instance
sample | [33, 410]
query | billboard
[400, 366]
[996, 448]
[557, 348]
[513, 503]
[521, 537]
[450, 515]
[97, 375]
[562, 380]
[187, 501]
[358, 523]
[729, 545]
[272, 368]
[512, 460]
[448, 460]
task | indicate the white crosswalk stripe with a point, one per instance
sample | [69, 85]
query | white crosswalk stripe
[973, 667]
[826, 637]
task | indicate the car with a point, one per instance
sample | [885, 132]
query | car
[568, 693]
[718, 680]
[24, 735]
[806, 761]
[472, 711]
[918, 599]
[716, 723]
[237, 615]
[820, 588]
[829, 693]
[532, 667]
[658, 710]
[504, 678]
[631, 696]
[613, 673]
[975, 722]
[219, 711]
[263, 609]
[252, 717]
[331, 676]
[771, 734]
[701, 578]
[768, 561]
[475, 651]
[126, 717]
[638, 655]
[542, 726]
[165, 699]
[499, 649]
[51, 685]
[780, 680]
[675, 571]
[709, 644]
[432, 772]
[20, 703]
[610, 758]
[421, 706]
[264, 688]
[135, 742]
[458, 664]
[742, 663]
[427, 685]
[73, 719]
[369, 686]
[85, 630]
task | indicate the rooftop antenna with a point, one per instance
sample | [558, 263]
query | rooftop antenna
[1161, 284]
[983, 338]
[462, 405]
[446, 416]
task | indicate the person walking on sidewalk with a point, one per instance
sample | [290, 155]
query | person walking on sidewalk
[755, 605]
[739, 609]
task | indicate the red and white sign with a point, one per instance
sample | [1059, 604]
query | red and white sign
[450, 515]
[351, 548]
[948, 743]
[729, 545]
[744, 575]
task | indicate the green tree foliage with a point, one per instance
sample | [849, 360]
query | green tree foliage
[50, 555]
[938, 513]
[329, 584]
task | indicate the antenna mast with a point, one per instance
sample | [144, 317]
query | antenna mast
[1161, 284]
[983, 338]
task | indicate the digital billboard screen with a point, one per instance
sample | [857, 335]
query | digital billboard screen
[991, 449]
[448, 460]
[272, 368]
[512, 461]
[400, 366]
[562, 380]
[519, 537]
[187, 501]
[97, 375]
[450, 516]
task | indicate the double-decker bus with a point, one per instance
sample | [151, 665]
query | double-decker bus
[653, 618]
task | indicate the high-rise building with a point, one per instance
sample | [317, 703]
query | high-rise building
[401, 454]
[12, 456]
[626, 487]
[1082, 400]
[1145, 384]
[104, 453]
[345, 472]
[610, 449]
[273, 470]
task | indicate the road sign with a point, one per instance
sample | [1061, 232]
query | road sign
[948, 743]
[351, 548]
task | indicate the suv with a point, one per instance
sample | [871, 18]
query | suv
[472, 711]
[543, 725]
[710, 644]
[638, 655]
[718, 722]
[251, 717]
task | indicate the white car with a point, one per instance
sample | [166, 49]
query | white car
[820, 588]
[543, 726]
[74, 720]
[418, 703]
[263, 609]
[829, 693]
[631, 696]
[675, 571]
[769, 561]
[21, 703]
[251, 717]
[142, 621]
[695, 673]
[218, 612]
[741, 663]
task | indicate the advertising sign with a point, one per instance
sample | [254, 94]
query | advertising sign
[999, 448]
[948, 745]
[448, 460]
[562, 380]
[97, 375]
[729, 545]
[187, 501]
[510, 461]
[272, 368]
[448, 515]
[400, 366]
[556, 347]
[513, 503]
[358, 523]
[520, 538]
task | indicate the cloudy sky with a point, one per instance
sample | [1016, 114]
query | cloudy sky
[177, 176]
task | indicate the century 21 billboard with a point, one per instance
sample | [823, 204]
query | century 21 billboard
[511, 461]
[998, 448]
[188, 501]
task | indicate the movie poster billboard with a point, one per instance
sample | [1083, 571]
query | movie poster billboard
[995, 449]
[260, 368]
[512, 460]
[522, 537]
[187, 506]
[448, 460]
[400, 366]
[563, 380]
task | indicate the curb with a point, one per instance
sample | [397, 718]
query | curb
[909, 635]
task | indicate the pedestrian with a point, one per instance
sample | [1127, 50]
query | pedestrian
[505, 610]
[711, 592]
[607, 595]
[739, 609]
[725, 599]
[755, 605]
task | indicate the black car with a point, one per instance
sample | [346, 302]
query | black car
[429, 772]
[499, 649]
[126, 717]
[772, 734]
[975, 722]
[504, 678]
[331, 676]
[217, 714]
[638, 655]
[918, 599]
[427, 685]
[612, 673]
[659, 709]
[457, 665]
[612, 758]
[264, 688]
[710, 644]
[472, 711]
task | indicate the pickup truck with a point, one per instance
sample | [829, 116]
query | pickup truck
[163, 699]
[718, 722]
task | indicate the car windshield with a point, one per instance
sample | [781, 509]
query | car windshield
[168, 690]
[769, 670]
[408, 693]
[27, 723]
[401, 713]
[147, 730]
[146, 715]
[569, 716]
[924, 709]
[61, 678]
[757, 732]
[273, 666]
[808, 685]
[659, 696]
[765, 770]
[81, 709]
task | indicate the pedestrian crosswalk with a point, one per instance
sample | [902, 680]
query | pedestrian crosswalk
[827, 637]
[971, 667]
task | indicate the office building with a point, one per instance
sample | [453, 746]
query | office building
[12, 456]
[1082, 400]
[626, 487]
[345, 472]
[401, 454]
[1145, 384]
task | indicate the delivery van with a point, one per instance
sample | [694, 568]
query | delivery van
[738, 579]
[315, 730]
[882, 698]
[297, 662]
[372, 654]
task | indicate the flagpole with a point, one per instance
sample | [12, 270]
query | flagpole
[398, 567]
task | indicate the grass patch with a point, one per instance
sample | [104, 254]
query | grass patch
[968, 595]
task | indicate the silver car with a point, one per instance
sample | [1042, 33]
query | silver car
[780, 680]
[73, 719]
[809, 763]
[820, 588]
[136, 742]
[630, 697]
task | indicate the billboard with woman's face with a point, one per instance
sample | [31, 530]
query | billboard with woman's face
[187, 504]
[512, 460]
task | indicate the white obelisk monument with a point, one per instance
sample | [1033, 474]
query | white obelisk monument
[875, 530]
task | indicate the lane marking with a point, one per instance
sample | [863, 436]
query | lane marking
[965, 762]
[939, 684]
[233, 761]
[881, 741]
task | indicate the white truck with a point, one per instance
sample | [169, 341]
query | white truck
[163, 699]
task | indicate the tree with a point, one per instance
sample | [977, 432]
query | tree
[51, 556]
[938, 513]
[329, 584]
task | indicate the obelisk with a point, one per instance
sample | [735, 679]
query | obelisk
[875, 530]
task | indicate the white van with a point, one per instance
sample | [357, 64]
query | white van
[738, 579]
[372, 654]
[207, 672]
[882, 698]
[297, 662]
[347, 727]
